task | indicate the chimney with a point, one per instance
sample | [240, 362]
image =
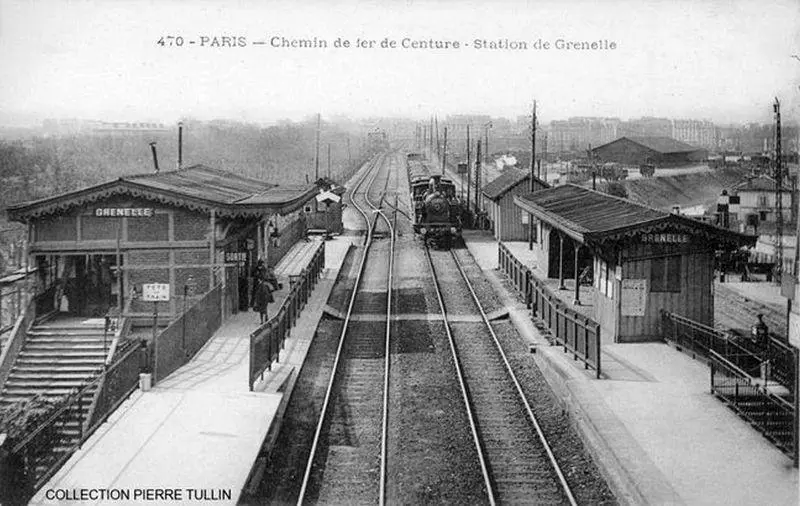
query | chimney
[180, 146]
[155, 156]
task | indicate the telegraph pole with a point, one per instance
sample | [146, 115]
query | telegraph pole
[444, 151]
[316, 158]
[329, 160]
[436, 120]
[469, 172]
[533, 170]
[778, 194]
[430, 136]
[477, 175]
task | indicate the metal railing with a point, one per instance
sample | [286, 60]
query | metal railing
[772, 415]
[578, 334]
[268, 339]
[745, 354]
[183, 338]
[48, 445]
[12, 305]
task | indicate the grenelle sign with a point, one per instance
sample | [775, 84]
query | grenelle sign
[130, 212]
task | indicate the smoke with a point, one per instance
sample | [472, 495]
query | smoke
[505, 161]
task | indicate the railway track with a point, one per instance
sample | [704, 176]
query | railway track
[515, 458]
[733, 311]
[347, 461]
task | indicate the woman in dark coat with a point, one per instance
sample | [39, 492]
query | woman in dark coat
[261, 298]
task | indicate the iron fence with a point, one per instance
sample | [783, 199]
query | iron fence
[746, 354]
[267, 341]
[772, 415]
[184, 337]
[578, 334]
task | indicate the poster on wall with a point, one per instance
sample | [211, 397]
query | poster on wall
[634, 297]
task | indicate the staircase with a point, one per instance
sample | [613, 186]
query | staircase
[58, 358]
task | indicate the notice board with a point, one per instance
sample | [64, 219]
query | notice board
[634, 297]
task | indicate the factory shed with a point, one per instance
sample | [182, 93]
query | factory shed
[641, 260]
[498, 197]
[658, 150]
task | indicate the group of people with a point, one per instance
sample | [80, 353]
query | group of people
[265, 282]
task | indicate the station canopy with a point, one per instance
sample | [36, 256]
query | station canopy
[197, 188]
[593, 217]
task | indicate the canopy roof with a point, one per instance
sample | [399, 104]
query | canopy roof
[198, 187]
[591, 216]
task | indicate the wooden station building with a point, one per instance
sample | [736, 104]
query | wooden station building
[643, 260]
[93, 247]
[498, 200]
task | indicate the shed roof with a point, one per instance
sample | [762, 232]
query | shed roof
[592, 216]
[197, 187]
[660, 144]
[506, 181]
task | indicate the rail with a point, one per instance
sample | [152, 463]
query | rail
[268, 339]
[365, 214]
[487, 479]
[562, 480]
[769, 413]
[578, 334]
[47, 446]
[742, 352]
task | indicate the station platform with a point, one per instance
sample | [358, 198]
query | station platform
[200, 428]
[651, 424]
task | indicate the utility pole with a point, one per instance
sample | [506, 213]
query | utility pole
[316, 158]
[349, 161]
[436, 120]
[430, 136]
[778, 194]
[329, 160]
[444, 151]
[469, 172]
[533, 170]
[477, 175]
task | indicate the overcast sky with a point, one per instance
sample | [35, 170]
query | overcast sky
[718, 60]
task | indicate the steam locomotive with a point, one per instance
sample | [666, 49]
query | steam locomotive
[437, 209]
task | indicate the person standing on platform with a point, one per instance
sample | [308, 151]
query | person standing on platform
[266, 282]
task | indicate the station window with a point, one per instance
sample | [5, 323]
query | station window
[665, 274]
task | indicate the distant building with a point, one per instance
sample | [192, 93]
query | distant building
[580, 133]
[700, 133]
[757, 201]
[659, 151]
[73, 126]
[646, 127]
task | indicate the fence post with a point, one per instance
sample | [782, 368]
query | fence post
[796, 436]
[711, 363]
[597, 348]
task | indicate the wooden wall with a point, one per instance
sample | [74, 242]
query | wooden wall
[694, 300]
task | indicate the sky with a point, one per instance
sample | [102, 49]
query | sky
[719, 60]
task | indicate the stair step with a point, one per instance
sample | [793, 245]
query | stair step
[79, 363]
[68, 340]
[64, 353]
[45, 377]
[93, 333]
[59, 347]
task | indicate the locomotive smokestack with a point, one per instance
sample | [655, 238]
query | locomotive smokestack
[180, 146]
[155, 156]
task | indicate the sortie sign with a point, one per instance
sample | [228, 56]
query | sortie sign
[129, 212]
